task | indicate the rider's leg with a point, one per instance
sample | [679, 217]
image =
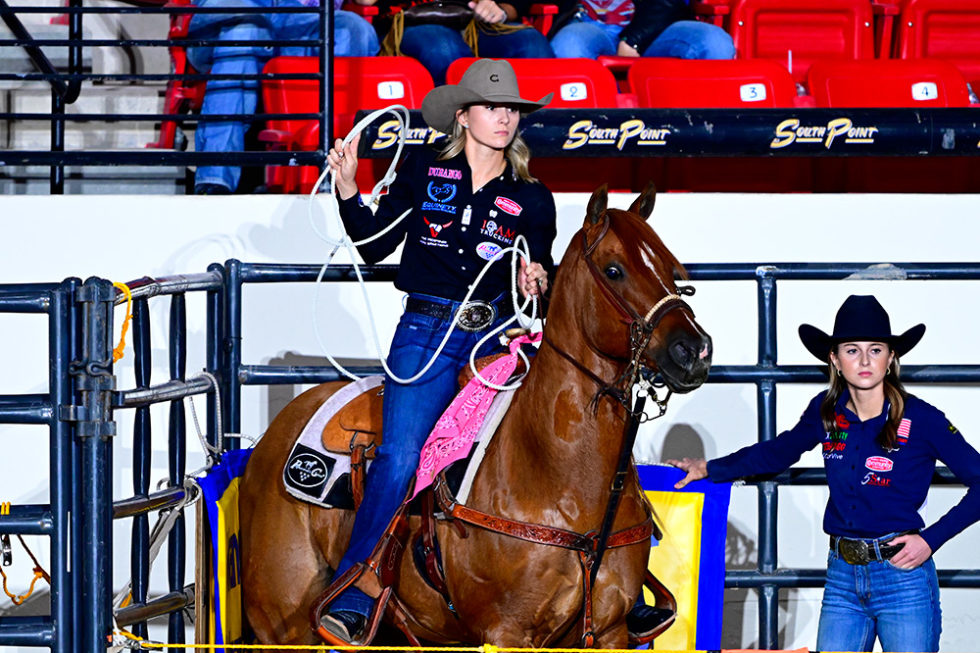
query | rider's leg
[410, 412]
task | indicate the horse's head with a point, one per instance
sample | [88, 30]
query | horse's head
[625, 299]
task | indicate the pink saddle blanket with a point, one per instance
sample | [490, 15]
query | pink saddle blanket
[453, 435]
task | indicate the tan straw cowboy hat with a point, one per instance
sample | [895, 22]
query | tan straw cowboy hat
[486, 81]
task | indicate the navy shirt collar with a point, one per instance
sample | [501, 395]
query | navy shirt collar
[841, 409]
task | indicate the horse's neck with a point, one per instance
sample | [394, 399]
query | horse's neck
[554, 438]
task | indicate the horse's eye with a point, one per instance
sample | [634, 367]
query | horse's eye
[614, 272]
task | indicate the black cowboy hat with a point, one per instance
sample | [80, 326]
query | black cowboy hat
[860, 318]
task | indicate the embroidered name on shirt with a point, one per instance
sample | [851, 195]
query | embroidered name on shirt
[879, 464]
[445, 173]
[508, 205]
[836, 441]
[499, 232]
[873, 479]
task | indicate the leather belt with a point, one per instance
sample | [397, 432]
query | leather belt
[472, 316]
[861, 552]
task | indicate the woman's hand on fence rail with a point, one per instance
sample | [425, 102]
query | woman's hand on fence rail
[696, 468]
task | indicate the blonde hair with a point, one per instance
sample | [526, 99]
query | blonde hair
[518, 153]
[895, 395]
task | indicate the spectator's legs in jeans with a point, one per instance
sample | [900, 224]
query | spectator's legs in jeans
[692, 39]
[353, 36]
[584, 38]
[436, 47]
[526, 43]
[227, 96]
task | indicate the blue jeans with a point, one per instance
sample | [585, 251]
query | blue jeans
[437, 46]
[353, 37]
[410, 412]
[861, 602]
[685, 39]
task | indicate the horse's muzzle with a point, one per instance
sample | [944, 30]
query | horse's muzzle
[685, 363]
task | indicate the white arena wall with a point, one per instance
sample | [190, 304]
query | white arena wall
[45, 239]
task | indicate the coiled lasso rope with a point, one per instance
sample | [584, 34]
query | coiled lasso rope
[343, 240]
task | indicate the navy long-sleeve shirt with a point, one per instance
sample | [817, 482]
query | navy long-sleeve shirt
[873, 492]
[452, 232]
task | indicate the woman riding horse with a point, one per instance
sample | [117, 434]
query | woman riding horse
[468, 202]
[614, 309]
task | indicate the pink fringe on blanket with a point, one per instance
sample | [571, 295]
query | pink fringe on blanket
[454, 433]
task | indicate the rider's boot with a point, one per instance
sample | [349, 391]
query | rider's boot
[345, 624]
[644, 619]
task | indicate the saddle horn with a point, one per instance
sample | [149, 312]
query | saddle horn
[643, 205]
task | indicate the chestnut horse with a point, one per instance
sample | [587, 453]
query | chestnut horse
[550, 463]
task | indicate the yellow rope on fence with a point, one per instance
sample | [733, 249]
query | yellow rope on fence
[18, 600]
[39, 572]
[118, 352]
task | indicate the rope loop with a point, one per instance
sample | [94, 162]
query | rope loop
[119, 351]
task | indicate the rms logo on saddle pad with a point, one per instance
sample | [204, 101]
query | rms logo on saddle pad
[307, 470]
[879, 464]
[508, 205]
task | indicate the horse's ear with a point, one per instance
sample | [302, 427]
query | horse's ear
[597, 204]
[643, 205]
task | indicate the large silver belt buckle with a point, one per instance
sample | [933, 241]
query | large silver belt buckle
[854, 552]
[475, 316]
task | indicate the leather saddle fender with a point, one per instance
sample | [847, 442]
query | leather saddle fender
[356, 430]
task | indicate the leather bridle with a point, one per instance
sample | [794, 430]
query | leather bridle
[641, 328]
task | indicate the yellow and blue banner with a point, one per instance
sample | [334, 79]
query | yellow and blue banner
[690, 560]
[220, 490]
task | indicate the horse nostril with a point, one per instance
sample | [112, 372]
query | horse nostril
[681, 353]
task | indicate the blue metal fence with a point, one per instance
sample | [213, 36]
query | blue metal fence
[79, 412]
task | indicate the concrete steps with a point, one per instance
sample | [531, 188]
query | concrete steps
[24, 96]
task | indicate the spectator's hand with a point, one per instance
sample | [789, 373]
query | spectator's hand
[343, 164]
[696, 468]
[626, 50]
[914, 553]
[488, 11]
[532, 279]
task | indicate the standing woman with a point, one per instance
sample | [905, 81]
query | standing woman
[880, 447]
[468, 202]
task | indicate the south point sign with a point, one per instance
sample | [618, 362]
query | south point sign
[720, 132]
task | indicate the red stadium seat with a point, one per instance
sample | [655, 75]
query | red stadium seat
[942, 29]
[187, 96]
[806, 29]
[359, 83]
[892, 83]
[688, 83]
[888, 83]
[576, 83]
[181, 96]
